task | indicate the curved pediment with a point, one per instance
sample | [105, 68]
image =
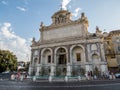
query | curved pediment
[62, 16]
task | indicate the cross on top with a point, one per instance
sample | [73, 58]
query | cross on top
[61, 6]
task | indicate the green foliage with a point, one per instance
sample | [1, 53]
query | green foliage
[74, 73]
[58, 72]
[43, 71]
[8, 61]
[96, 71]
[33, 73]
[27, 66]
[82, 71]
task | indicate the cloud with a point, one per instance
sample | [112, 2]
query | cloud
[21, 8]
[10, 41]
[76, 12]
[65, 3]
[4, 2]
[64, 6]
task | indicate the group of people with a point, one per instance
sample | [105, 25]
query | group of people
[18, 76]
[112, 76]
[104, 75]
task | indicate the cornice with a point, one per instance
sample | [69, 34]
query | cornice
[73, 42]
[68, 39]
[81, 39]
[114, 33]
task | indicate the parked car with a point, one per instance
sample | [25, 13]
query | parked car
[117, 75]
[5, 75]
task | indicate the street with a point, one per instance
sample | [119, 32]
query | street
[83, 85]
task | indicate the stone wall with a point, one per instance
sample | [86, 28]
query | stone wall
[62, 32]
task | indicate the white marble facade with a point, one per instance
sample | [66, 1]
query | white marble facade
[66, 45]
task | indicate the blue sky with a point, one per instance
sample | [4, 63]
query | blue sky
[20, 19]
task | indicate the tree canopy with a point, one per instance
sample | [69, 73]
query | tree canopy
[8, 61]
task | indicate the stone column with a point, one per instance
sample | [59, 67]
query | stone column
[104, 68]
[31, 61]
[68, 62]
[39, 56]
[41, 59]
[100, 51]
[30, 70]
[68, 48]
[52, 70]
[39, 64]
[86, 52]
[53, 54]
[68, 70]
[36, 63]
[87, 68]
[52, 63]
[38, 71]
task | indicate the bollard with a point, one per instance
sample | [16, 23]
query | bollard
[79, 78]
[21, 78]
[66, 78]
[50, 78]
[34, 78]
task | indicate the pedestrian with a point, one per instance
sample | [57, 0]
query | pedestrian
[12, 77]
[113, 76]
[16, 76]
[21, 77]
[95, 77]
[89, 76]
[19, 74]
[86, 75]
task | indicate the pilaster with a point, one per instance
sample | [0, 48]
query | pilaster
[86, 51]
[39, 57]
[68, 54]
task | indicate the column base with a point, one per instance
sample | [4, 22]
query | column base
[50, 78]
[66, 78]
[68, 70]
[34, 78]
[79, 78]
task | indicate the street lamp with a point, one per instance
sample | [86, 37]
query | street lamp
[27, 56]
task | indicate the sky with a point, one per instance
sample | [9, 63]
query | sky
[20, 19]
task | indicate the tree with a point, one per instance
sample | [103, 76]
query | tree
[8, 61]
[27, 66]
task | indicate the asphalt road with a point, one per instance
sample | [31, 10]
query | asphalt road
[83, 85]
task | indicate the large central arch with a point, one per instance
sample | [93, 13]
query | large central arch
[61, 61]
[61, 56]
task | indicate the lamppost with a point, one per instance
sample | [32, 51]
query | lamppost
[28, 57]
[27, 63]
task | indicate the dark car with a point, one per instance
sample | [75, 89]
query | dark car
[117, 75]
[5, 75]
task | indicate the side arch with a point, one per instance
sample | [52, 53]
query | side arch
[73, 50]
